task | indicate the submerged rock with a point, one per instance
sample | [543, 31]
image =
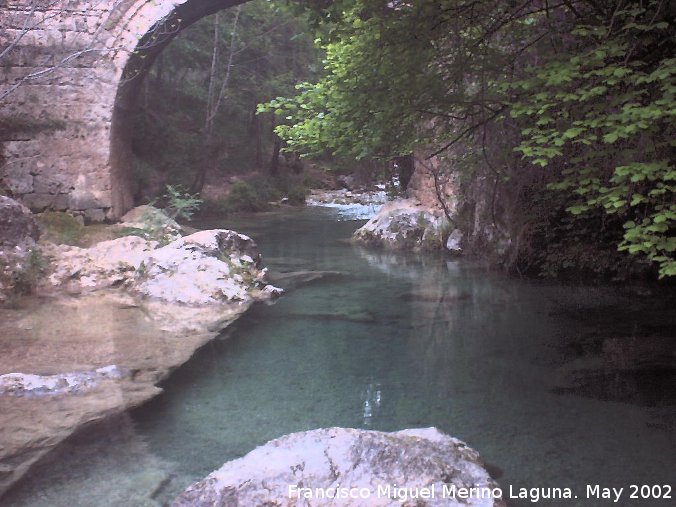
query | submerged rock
[404, 224]
[350, 467]
[289, 279]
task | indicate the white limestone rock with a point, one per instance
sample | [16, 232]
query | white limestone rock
[27, 384]
[206, 267]
[404, 224]
[108, 263]
[454, 242]
[411, 460]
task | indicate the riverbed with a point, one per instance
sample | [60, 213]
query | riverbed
[536, 376]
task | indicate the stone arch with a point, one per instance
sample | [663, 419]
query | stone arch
[80, 160]
[151, 29]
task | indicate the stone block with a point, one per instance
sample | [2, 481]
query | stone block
[95, 215]
[51, 183]
[38, 202]
[17, 178]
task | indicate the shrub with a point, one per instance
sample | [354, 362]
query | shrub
[244, 196]
[27, 277]
[297, 195]
[181, 204]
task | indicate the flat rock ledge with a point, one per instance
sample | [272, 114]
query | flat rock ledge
[351, 467]
[113, 321]
[23, 384]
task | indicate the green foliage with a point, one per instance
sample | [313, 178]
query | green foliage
[370, 70]
[257, 194]
[296, 195]
[584, 90]
[244, 196]
[564, 245]
[604, 113]
[272, 50]
[28, 276]
[154, 224]
[180, 204]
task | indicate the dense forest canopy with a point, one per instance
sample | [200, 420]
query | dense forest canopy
[583, 91]
[197, 110]
[566, 109]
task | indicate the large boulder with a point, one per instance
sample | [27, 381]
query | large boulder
[350, 467]
[18, 234]
[18, 228]
[404, 224]
[206, 267]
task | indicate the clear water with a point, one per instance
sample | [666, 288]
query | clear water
[395, 342]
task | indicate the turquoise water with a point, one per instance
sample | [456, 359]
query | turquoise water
[526, 372]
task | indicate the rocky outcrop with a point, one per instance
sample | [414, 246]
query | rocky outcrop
[18, 234]
[22, 384]
[203, 268]
[405, 224]
[350, 467]
[132, 312]
[18, 229]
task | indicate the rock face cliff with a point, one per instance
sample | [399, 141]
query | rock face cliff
[350, 467]
[442, 211]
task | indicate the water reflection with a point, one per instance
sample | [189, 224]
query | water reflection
[372, 398]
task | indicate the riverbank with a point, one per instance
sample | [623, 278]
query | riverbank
[56, 336]
[108, 324]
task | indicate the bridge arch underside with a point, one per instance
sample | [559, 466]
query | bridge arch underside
[79, 157]
[126, 100]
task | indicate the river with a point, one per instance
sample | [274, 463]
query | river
[531, 374]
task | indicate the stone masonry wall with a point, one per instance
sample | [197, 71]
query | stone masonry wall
[56, 127]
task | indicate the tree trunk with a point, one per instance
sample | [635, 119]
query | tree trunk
[255, 137]
[214, 100]
[274, 163]
[405, 166]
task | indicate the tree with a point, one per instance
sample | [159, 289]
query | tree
[502, 88]
[201, 94]
[603, 114]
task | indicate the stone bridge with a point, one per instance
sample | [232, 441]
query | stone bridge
[70, 74]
